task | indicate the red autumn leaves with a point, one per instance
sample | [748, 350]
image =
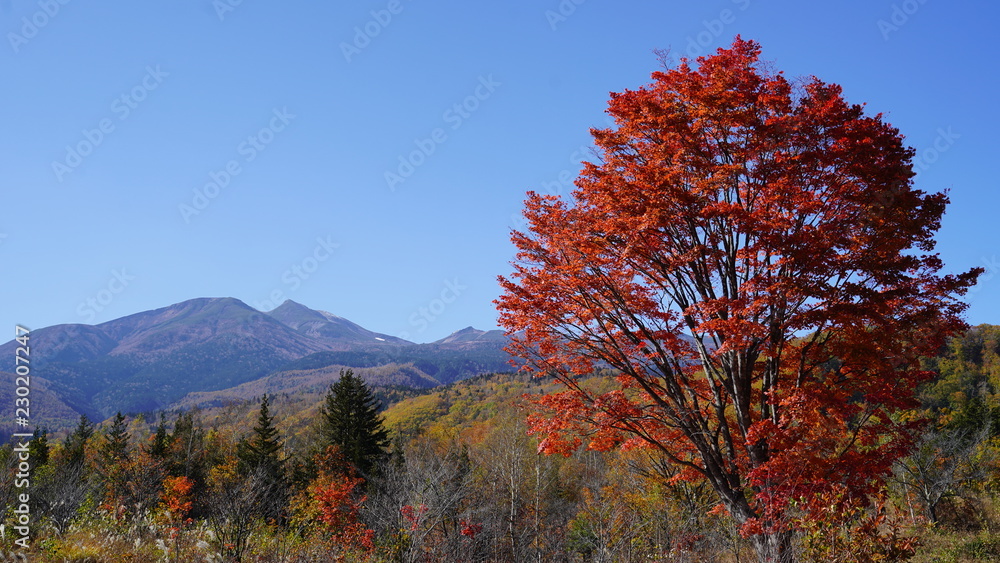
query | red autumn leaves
[750, 255]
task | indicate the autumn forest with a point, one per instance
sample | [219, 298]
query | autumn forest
[461, 480]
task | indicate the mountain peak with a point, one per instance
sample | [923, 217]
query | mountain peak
[288, 304]
[187, 312]
[470, 334]
[296, 314]
[338, 331]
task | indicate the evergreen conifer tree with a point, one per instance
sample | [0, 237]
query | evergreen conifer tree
[350, 420]
[259, 458]
[261, 451]
[115, 447]
[159, 445]
[76, 443]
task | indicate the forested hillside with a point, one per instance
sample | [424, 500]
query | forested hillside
[463, 480]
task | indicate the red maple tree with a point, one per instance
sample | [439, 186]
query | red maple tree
[339, 510]
[333, 502]
[751, 257]
[177, 498]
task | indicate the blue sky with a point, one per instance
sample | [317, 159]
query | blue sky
[154, 152]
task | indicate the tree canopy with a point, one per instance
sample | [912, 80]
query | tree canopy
[350, 421]
[260, 463]
[752, 257]
[261, 451]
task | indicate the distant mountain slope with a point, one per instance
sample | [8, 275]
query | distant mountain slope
[197, 321]
[310, 381]
[151, 360]
[63, 343]
[147, 360]
[57, 414]
[443, 362]
[336, 332]
[469, 334]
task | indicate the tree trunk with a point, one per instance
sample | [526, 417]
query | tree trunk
[770, 548]
[932, 511]
[774, 548]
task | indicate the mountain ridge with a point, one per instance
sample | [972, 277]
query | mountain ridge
[151, 360]
[324, 325]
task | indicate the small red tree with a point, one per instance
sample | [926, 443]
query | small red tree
[177, 503]
[339, 505]
[755, 263]
[177, 500]
[331, 505]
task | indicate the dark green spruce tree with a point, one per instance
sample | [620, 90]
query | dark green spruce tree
[75, 444]
[350, 420]
[113, 454]
[259, 458]
[115, 447]
[159, 443]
